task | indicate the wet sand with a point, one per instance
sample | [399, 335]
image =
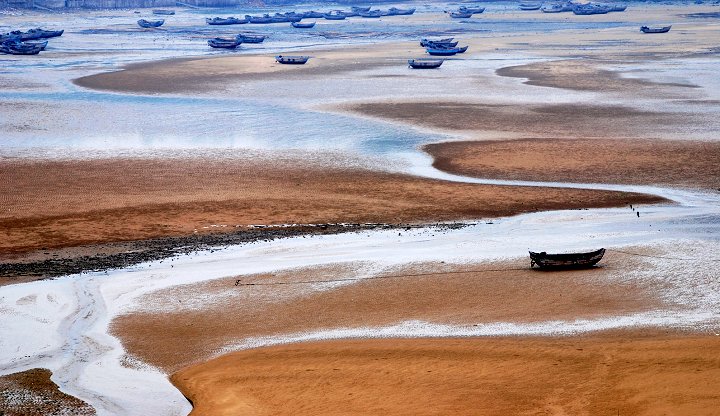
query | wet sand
[32, 393]
[689, 164]
[59, 204]
[626, 373]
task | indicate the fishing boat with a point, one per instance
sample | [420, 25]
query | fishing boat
[440, 45]
[251, 38]
[223, 43]
[647, 29]
[37, 33]
[473, 10]
[459, 15]
[426, 42]
[530, 6]
[148, 24]
[222, 21]
[553, 8]
[23, 49]
[291, 60]
[443, 52]
[394, 11]
[164, 12]
[372, 14]
[25, 45]
[334, 16]
[357, 9]
[425, 63]
[588, 9]
[259, 20]
[566, 261]
[618, 8]
[313, 15]
[303, 25]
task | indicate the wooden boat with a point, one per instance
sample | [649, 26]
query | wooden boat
[25, 45]
[291, 60]
[425, 63]
[223, 43]
[394, 11]
[424, 42]
[357, 9]
[222, 21]
[164, 12]
[459, 15]
[332, 16]
[440, 45]
[148, 24]
[372, 14]
[303, 25]
[260, 20]
[473, 10]
[664, 29]
[530, 6]
[251, 38]
[618, 8]
[443, 52]
[33, 34]
[313, 15]
[588, 9]
[23, 49]
[566, 261]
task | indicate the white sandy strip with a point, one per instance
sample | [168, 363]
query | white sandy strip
[62, 324]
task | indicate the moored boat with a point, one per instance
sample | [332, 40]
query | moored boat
[588, 9]
[251, 38]
[19, 48]
[566, 261]
[530, 6]
[313, 15]
[223, 43]
[426, 42]
[222, 21]
[334, 16]
[394, 11]
[303, 25]
[373, 14]
[459, 15]
[33, 34]
[358, 9]
[473, 10]
[291, 60]
[164, 12]
[443, 51]
[425, 63]
[149, 24]
[647, 29]
[440, 45]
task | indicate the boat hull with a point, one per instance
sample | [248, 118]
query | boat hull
[566, 261]
[425, 63]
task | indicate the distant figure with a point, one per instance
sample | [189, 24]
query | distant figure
[638, 214]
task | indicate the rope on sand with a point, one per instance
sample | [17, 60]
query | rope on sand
[661, 257]
[394, 276]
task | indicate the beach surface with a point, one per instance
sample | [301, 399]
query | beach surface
[350, 236]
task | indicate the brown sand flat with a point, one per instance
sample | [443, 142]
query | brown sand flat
[625, 374]
[56, 204]
[638, 161]
[545, 120]
[199, 320]
[32, 393]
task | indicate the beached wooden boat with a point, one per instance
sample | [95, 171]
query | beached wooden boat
[425, 42]
[334, 16]
[164, 12]
[425, 63]
[20, 48]
[222, 21]
[647, 29]
[313, 15]
[251, 38]
[530, 6]
[372, 14]
[223, 43]
[394, 11]
[459, 15]
[358, 9]
[25, 45]
[618, 8]
[291, 60]
[443, 52]
[149, 24]
[473, 10]
[588, 9]
[440, 45]
[566, 261]
[303, 25]
[33, 34]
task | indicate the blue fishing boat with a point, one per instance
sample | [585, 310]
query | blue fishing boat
[334, 16]
[425, 63]
[425, 42]
[358, 9]
[618, 8]
[473, 10]
[313, 15]
[164, 12]
[459, 15]
[148, 24]
[291, 60]
[20, 48]
[250, 38]
[394, 11]
[647, 29]
[530, 6]
[259, 20]
[37, 33]
[442, 52]
[222, 21]
[223, 43]
[303, 25]
[589, 9]
[372, 14]
[440, 45]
